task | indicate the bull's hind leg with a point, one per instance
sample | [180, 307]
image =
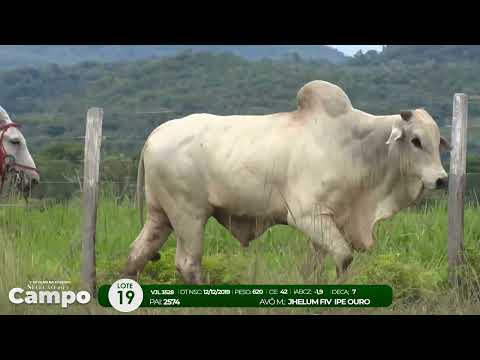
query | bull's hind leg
[327, 238]
[154, 234]
[188, 260]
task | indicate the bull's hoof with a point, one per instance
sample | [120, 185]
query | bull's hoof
[129, 273]
[156, 257]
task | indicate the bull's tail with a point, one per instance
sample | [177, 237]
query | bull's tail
[141, 186]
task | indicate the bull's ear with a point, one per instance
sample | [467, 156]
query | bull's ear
[395, 135]
[444, 145]
[406, 115]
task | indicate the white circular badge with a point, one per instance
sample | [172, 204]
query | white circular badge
[125, 295]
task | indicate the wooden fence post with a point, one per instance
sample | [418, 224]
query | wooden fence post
[93, 139]
[457, 185]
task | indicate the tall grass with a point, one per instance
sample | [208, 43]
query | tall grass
[43, 242]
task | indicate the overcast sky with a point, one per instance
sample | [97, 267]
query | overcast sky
[352, 49]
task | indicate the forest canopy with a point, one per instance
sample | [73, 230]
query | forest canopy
[51, 101]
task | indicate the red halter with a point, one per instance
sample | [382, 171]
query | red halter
[4, 155]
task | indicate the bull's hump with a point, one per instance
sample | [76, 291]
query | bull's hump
[323, 96]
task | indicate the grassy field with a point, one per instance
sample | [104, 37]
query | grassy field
[42, 242]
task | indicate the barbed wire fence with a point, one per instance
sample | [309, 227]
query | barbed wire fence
[74, 179]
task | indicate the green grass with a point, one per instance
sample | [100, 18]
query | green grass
[43, 242]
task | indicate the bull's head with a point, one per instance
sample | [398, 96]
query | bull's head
[416, 138]
[15, 159]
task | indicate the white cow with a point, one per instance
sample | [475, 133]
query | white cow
[15, 158]
[328, 169]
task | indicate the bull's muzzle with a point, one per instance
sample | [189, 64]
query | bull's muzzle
[442, 183]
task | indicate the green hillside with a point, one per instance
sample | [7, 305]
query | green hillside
[418, 54]
[15, 56]
[52, 101]
[438, 53]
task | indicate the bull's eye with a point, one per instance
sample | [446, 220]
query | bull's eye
[15, 141]
[416, 142]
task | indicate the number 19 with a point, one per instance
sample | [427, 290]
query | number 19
[129, 294]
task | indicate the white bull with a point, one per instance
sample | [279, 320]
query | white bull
[15, 159]
[328, 169]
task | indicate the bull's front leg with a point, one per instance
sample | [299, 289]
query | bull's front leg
[324, 234]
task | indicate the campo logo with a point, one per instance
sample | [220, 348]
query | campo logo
[65, 298]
